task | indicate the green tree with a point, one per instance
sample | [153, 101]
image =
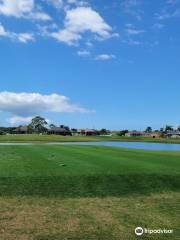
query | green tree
[52, 125]
[65, 127]
[122, 132]
[38, 124]
[29, 129]
[103, 131]
[148, 129]
[168, 128]
[178, 129]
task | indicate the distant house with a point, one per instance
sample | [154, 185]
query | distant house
[2, 132]
[173, 134]
[143, 134]
[59, 131]
[155, 134]
[137, 134]
[87, 132]
[21, 130]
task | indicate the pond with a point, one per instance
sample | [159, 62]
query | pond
[134, 145]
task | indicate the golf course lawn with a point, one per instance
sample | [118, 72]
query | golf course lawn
[57, 138]
[63, 192]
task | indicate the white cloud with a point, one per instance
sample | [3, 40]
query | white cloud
[55, 3]
[66, 36]
[168, 14]
[30, 104]
[3, 32]
[71, 1]
[21, 8]
[39, 16]
[131, 30]
[21, 37]
[24, 37]
[78, 2]
[79, 21]
[83, 53]
[16, 7]
[134, 42]
[17, 120]
[105, 57]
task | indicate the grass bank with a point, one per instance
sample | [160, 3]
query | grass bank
[87, 192]
[56, 138]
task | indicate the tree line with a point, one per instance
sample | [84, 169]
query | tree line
[162, 131]
[39, 124]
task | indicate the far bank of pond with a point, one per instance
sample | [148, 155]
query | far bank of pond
[56, 138]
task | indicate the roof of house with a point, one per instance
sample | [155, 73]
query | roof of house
[86, 130]
[139, 132]
[58, 129]
[21, 129]
[173, 133]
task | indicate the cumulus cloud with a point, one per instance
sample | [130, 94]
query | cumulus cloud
[21, 37]
[21, 8]
[30, 104]
[105, 57]
[16, 8]
[79, 21]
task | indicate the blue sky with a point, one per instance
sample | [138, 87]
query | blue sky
[96, 64]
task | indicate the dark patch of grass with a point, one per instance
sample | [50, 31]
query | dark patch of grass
[88, 186]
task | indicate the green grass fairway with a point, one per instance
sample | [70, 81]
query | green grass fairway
[87, 192]
[57, 138]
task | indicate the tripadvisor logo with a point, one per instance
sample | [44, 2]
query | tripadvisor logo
[139, 231]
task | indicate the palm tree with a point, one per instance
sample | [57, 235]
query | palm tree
[168, 128]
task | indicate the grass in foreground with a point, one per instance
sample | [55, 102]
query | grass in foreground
[87, 192]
